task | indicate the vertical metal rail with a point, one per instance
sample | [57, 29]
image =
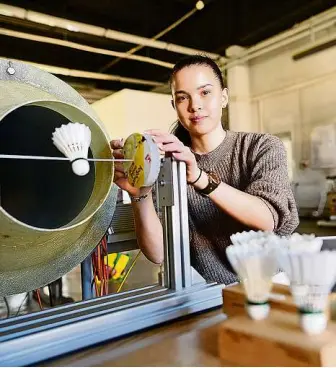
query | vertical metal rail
[174, 230]
[165, 198]
[184, 225]
[165, 247]
[169, 200]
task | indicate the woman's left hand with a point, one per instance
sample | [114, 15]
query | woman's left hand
[170, 143]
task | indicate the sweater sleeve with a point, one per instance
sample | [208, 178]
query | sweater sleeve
[269, 181]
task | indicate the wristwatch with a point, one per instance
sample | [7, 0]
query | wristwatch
[214, 181]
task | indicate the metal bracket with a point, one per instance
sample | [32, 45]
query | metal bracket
[165, 183]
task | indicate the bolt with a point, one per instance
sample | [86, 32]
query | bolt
[10, 70]
[162, 183]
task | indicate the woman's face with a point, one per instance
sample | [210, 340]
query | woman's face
[198, 99]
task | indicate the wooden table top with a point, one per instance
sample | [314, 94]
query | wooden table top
[191, 341]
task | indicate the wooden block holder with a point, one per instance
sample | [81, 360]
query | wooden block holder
[275, 341]
[280, 299]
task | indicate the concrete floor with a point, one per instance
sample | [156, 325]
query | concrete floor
[143, 274]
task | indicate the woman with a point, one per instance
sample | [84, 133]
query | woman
[236, 181]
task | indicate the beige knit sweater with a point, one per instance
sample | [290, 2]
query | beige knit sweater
[253, 163]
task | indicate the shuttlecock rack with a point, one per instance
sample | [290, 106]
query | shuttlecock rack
[278, 325]
[277, 340]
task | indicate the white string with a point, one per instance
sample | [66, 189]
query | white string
[25, 157]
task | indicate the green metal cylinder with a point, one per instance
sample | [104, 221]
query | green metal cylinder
[50, 219]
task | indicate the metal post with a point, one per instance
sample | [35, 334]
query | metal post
[184, 225]
[169, 200]
[175, 241]
[86, 278]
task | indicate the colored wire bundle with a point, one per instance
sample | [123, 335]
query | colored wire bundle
[100, 269]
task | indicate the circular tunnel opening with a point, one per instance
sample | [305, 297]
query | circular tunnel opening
[43, 194]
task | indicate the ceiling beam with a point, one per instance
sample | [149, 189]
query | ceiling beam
[72, 26]
[156, 37]
[77, 46]
[87, 75]
[306, 29]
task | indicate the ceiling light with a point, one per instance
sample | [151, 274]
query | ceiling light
[72, 28]
[199, 5]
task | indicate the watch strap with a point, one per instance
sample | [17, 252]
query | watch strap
[212, 185]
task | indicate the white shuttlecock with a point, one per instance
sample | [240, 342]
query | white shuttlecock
[299, 243]
[261, 237]
[255, 266]
[312, 276]
[73, 140]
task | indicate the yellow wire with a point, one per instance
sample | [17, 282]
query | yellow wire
[128, 272]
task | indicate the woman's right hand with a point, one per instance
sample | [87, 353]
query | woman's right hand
[120, 177]
[169, 143]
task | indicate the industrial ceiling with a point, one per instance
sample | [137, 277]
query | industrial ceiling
[103, 46]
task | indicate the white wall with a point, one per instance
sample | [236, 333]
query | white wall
[294, 96]
[286, 97]
[129, 111]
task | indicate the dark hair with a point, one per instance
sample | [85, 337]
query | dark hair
[198, 60]
[178, 130]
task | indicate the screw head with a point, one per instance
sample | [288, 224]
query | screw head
[10, 70]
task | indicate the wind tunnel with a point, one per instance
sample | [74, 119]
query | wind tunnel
[50, 218]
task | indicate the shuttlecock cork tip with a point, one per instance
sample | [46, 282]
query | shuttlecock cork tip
[313, 323]
[257, 311]
[80, 167]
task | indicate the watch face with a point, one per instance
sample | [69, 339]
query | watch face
[214, 177]
[214, 181]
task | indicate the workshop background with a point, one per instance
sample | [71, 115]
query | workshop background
[278, 58]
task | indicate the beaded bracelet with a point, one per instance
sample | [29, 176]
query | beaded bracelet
[142, 197]
[200, 174]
